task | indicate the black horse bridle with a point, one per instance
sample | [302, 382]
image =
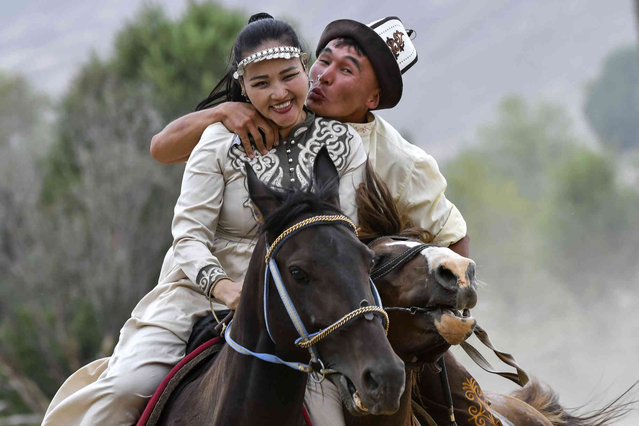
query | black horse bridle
[398, 262]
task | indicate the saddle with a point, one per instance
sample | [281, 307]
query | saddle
[190, 366]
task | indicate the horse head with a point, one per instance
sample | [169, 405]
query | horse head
[324, 269]
[428, 292]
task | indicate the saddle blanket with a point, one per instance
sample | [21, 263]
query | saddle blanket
[153, 411]
[154, 407]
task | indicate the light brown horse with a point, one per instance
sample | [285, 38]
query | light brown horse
[428, 291]
[441, 284]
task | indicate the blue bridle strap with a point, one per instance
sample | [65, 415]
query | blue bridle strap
[306, 368]
[271, 270]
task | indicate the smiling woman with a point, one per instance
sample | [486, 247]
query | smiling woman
[215, 226]
[277, 88]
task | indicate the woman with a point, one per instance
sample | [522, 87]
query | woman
[215, 225]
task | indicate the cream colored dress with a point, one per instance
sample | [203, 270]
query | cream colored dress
[214, 230]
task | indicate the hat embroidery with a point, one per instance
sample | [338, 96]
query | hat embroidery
[396, 43]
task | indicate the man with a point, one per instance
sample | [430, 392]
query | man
[358, 69]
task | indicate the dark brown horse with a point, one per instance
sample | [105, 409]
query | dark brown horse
[325, 269]
[427, 295]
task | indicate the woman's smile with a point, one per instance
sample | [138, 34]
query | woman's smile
[283, 107]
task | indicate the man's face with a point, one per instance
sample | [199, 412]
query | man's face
[343, 84]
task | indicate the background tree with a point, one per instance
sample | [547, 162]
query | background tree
[87, 220]
[25, 134]
[538, 201]
[589, 222]
[612, 100]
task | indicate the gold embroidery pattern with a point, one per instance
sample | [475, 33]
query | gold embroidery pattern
[479, 412]
[396, 43]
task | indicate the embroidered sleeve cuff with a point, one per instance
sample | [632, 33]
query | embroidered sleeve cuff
[208, 277]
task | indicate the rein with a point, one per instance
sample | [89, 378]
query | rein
[306, 340]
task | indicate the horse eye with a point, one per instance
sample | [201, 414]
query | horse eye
[373, 263]
[299, 275]
[378, 260]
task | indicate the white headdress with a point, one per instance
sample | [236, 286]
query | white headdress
[280, 52]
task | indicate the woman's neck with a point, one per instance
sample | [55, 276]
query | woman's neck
[285, 132]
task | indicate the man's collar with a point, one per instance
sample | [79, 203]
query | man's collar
[364, 129]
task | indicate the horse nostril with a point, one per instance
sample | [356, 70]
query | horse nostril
[445, 276]
[372, 384]
[466, 298]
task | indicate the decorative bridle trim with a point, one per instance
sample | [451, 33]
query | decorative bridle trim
[320, 335]
[280, 52]
[303, 224]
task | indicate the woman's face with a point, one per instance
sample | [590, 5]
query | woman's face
[277, 88]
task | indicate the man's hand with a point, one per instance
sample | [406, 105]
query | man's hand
[176, 141]
[244, 120]
[228, 292]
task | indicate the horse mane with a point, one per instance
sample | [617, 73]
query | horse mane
[546, 401]
[296, 202]
[378, 214]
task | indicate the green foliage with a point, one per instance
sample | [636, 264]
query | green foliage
[526, 141]
[589, 216]
[497, 216]
[24, 342]
[612, 101]
[180, 61]
[536, 201]
[83, 230]
[21, 110]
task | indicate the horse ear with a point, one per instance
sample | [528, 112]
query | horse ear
[260, 194]
[326, 178]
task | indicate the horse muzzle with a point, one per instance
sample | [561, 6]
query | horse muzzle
[378, 391]
[454, 327]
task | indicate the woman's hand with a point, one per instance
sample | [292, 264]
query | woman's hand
[228, 292]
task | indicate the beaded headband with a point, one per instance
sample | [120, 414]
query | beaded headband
[281, 52]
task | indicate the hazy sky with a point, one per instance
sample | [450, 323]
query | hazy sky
[471, 54]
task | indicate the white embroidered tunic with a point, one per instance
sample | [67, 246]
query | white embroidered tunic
[215, 226]
[413, 179]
